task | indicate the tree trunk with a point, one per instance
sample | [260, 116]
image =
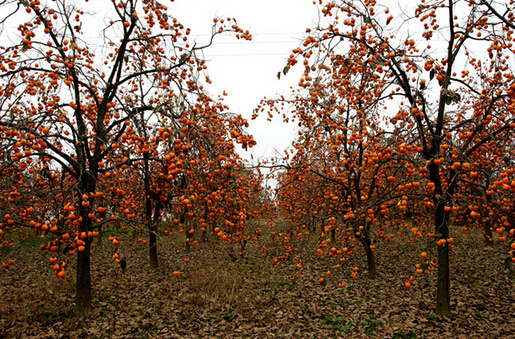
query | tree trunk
[152, 237]
[83, 296]
[371, 262]
[205, 234]
[152, 249]
[488, 233]
[183, 220]
[443, 296]
[366, 241]
[441, 199]
[189, 236]
[443, 288]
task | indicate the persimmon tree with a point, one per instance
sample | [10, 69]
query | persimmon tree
[198, 159]
[69, 104]
[164, 175]
[343, 180]
[485, 200]
[349, 164]
[448, 102]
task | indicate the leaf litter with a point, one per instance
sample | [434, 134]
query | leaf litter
[217, 296]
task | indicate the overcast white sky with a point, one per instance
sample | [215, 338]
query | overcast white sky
[247, 71]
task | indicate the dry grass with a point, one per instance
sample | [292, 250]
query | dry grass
[219, 296]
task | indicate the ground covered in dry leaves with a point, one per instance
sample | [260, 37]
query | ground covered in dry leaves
[219, 296]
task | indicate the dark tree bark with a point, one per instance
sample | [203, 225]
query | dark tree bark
[441, 199]
[371, 261]
[487, 227]
[152, 237]
[83, 296]
[443, 298]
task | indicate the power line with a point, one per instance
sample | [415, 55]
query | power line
[246, 54]
[253, 42]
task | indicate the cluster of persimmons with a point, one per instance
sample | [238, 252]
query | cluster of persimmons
[397, 134]
[117, 136]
